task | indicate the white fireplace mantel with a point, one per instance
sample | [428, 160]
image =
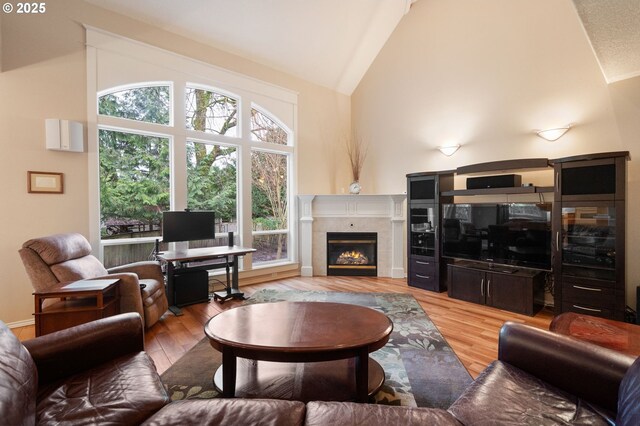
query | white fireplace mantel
[383, 214]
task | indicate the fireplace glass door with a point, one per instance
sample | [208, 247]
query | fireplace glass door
[352, 253]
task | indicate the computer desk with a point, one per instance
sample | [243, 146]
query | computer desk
[193, 259]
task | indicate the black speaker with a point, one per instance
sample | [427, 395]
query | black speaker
[497, 181]
[638, 305]
[190, 287]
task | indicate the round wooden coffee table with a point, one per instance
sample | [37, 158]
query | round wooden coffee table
[315, 335]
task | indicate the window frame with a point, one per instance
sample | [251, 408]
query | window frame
[290, 207]
[248, 93]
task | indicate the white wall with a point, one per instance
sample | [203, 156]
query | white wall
[44, 76]
[485, 74]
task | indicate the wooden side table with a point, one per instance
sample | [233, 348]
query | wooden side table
[616, 335]
[80, 302]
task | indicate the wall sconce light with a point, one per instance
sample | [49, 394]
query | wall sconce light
[449, 150]
[553, 134]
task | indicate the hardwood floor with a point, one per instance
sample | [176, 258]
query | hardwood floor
[470, 329]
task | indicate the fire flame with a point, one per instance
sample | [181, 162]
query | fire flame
[352, 258]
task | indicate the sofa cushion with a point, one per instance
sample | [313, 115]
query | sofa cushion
[125, 390]
[18, 381]
[350, 413]
[504, 394]
[59, 247]
[629, 397]
[230, 412]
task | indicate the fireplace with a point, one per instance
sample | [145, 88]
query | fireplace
[352, 253]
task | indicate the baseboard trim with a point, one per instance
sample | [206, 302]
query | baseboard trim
[23, 323]
[256, 276]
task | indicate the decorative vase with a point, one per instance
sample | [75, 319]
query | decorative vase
[355, 188]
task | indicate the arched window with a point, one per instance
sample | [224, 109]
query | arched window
[173, 133]
[138, 168]
[211, 112]
[150, 104]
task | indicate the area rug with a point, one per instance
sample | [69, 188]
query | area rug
[420, 368]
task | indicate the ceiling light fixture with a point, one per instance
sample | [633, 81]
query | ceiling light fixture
[449, 150]
[553, 134]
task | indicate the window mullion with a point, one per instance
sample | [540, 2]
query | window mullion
[245, 223]
[179, 149]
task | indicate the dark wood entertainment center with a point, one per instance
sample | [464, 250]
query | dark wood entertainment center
[587, 273]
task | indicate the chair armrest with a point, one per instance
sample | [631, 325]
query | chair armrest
[144, 270]
[66, 352]
[588, 371]
[130, 299]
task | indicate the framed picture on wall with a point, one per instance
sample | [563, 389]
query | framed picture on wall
[45, 183]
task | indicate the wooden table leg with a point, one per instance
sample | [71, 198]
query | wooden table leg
[229, 364]
[362, 375]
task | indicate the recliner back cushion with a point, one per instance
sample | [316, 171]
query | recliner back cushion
[60, 247]
[18, 381]
[78, 269]
[629, 397]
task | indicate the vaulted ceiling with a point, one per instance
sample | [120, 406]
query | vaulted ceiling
[333, 42]
[328, 42]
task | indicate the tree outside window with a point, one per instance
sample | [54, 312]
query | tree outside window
[135, 167]
[269, 191]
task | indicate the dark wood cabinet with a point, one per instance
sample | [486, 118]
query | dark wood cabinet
[466, 284]
[587, 238]
[426, 269]
[520, 291]
[589, 234]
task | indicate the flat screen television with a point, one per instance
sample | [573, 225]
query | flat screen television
[187, 226]
[516, 234]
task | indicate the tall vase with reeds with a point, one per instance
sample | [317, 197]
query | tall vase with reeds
[357, 151]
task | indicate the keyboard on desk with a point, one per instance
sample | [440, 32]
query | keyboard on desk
[207, 262]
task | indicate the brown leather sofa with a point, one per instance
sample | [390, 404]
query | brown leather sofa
[97, 373]
[67, 257]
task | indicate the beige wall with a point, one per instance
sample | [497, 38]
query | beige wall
[44, 76]
[485, 74]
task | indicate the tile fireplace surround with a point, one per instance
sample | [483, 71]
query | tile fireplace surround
[383, 214]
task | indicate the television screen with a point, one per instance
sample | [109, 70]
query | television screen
[187, 226]
[517, 234]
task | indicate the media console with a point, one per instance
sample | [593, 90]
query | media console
[586, 247]
[499, 286]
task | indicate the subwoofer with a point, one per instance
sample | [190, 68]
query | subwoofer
[497, 181]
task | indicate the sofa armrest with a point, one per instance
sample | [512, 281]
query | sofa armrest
[590, 372]
[66, 352]
[144, 270]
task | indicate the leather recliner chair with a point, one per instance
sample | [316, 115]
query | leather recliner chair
[67, 257]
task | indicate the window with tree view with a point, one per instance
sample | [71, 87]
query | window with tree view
[212, 185]
[134, 184]
[149, 165]
[269, 173]
[150, 104]
[211, 112]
